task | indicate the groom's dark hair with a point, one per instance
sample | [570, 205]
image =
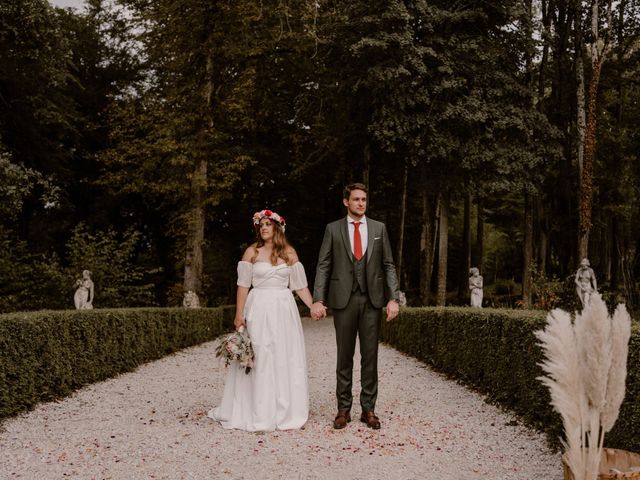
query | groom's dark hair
[346, 193]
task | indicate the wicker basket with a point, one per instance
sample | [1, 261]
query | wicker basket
[611, 458]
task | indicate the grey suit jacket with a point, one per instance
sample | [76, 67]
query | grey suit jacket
[334, 273]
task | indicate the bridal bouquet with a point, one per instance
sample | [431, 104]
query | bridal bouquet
[236, 346]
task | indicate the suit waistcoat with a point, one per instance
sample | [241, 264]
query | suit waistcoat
[360, 274]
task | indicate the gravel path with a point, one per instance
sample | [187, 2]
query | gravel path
[152, 424]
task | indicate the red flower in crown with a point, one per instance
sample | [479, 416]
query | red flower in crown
[271, 215]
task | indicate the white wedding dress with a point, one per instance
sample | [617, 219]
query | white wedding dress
[275, 394]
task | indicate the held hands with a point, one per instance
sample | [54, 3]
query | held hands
[318, 310]
[393, 309]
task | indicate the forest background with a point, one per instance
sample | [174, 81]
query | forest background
[137, 138]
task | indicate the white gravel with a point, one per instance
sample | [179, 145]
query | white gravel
[152, 424]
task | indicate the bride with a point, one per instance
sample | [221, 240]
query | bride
[275, 394]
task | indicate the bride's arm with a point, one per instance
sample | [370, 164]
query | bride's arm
[241, 299]
[305, 296]
[243, 288]
[300, 278]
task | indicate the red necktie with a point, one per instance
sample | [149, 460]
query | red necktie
[357, 241]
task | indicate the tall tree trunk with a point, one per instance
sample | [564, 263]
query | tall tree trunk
[193, 262]
[463, 278]
[546, 27]
[580, 91]
[479, 249]
[527, 251]
[366, 171]
[563, 16]
[427, 243]
[426, 258]
[581, 126]
[586, 184]
[443, 243]
[598, 55]
[614, 255]
[542, 228]
[403, 209]
[605, 248]
[628, 262]
[541, 221]
[193, 265]
[620, 83]
[615, 233]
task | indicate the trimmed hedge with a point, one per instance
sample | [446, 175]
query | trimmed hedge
[495, 352]
[48, 354]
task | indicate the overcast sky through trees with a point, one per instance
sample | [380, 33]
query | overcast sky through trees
[68, 3]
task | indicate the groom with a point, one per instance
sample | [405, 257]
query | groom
[356, 277]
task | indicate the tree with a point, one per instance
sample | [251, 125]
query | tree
[37, 118]
[208, 66]
[599, 49]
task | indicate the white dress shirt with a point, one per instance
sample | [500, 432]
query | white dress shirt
[363, 232]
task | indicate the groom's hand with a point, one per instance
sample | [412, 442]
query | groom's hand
[393, 308]
[318, 310]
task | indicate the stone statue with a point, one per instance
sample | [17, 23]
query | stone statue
[83, 298]
[191, 300]
[402, 299]
[475, 286]
[586, 284]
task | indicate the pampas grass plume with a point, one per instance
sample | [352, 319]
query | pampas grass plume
[586, 367]
[592, 333]
[562, 365]
[620, 334]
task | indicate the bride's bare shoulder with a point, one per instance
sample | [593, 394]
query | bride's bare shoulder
[250, 253]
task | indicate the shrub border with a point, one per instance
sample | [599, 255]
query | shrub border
[46, 355]
[495, 352]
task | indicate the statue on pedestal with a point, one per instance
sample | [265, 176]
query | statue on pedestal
[475, 287]
[83, 298]
[191, 300]
[402, 299]
[586, 284]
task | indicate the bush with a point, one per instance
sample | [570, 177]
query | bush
[48, 354]
[505, 287]
[30, 281]
[495, 352]
[504, 293]
[547, 292]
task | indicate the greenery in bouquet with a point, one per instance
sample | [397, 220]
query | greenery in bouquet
[236, 347]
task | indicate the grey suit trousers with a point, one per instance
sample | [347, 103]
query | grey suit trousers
[358, 319]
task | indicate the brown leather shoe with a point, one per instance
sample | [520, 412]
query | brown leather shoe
[370, 419]
[342, 418]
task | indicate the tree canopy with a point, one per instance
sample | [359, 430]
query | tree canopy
[137, 138]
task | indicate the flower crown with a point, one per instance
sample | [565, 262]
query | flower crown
[273, 216]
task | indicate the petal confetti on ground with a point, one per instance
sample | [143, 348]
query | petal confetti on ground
[152, 424]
